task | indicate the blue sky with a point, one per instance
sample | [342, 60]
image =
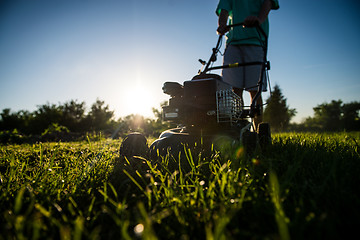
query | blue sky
[123, 51]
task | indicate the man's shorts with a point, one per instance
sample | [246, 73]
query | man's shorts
[244, 77]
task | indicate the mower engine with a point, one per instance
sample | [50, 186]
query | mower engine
[206, 102]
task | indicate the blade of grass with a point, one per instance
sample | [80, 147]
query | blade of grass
[133, 180]
[280, 216]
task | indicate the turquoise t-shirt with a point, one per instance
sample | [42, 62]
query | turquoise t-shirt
[238, 10]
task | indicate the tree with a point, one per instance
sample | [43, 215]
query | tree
[9, 120]
[74, 115]
[328, 115]
[277, 113]
[334, 116]
[45, 116]
[350, 116]
[100, 116]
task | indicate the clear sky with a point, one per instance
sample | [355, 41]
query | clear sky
[123, 51]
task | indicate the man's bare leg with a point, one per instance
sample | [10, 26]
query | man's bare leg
[257, 118]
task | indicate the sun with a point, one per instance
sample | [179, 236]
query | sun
[139, 100]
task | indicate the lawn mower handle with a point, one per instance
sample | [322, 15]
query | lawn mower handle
[213, 55]
[217, 48]
[254, 110]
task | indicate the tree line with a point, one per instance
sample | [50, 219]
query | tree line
[328, 117]
[71, 121]
[331, 117]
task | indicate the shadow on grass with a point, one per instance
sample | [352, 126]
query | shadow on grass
[319, 179]
[316, 191]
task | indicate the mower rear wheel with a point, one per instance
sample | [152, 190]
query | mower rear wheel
[264, 133]
[249, 141]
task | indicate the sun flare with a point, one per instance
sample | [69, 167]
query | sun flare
[139, 100]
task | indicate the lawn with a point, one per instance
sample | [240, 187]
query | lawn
[304, 186]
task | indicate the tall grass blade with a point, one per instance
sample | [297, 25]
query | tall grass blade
[133, 180]
[280, 216]
[18, 200]
[79, 228]
[42, 210]
[145, 228]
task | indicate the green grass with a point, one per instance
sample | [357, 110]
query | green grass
[305, 186]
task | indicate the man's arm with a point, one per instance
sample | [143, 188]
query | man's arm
[252, 21]
[223, 18]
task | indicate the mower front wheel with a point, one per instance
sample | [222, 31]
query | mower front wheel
[134, 144]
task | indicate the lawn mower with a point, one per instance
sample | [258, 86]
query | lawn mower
[207, 113]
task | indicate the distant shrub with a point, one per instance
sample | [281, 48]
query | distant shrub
[55, 132]
[12, 137]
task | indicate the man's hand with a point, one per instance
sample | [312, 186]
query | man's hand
[252, 21]
[222, 29]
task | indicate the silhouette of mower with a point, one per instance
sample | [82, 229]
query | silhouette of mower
[207, 112]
